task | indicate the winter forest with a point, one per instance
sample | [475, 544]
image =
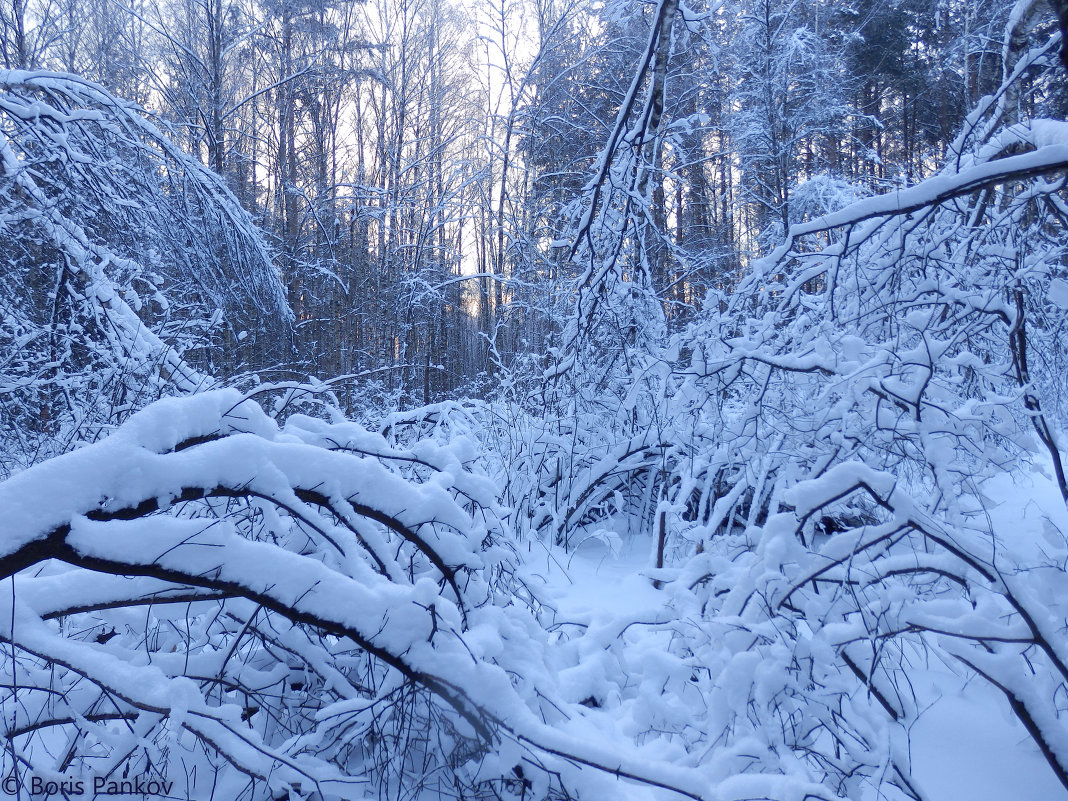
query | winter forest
[534, 400]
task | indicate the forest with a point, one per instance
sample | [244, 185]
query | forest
[534, 400]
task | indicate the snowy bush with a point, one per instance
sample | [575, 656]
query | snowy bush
[824, 455]
[860, 402]
[219, 602]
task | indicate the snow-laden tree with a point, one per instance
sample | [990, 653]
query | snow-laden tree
[221, 603]
[863, 401]
[124, 262]
[241, 609]
[791, 92]
[598, 411]
[857, 469]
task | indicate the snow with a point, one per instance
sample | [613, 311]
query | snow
[965, 745]
[596, 585]
[1058, 292]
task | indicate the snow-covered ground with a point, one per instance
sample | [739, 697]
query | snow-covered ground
[966, 745]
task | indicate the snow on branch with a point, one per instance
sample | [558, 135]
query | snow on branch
[128, 263]
[280, 606]
[874, 391]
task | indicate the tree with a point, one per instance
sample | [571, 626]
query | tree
[824, 463]
[868, 394]
[791, 92]
[27, 30]
[130, 264]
